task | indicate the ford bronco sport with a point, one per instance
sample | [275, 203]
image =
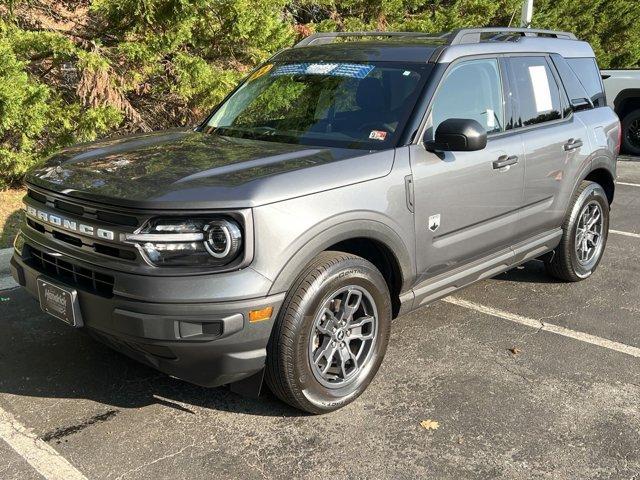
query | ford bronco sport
[344, 182]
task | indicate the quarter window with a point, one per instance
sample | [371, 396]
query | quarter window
[572, 85]
[471, 90]
[587, 72]
[536, 91]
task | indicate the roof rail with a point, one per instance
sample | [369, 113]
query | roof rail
[455, 37]
[328, 37]
[474, 35]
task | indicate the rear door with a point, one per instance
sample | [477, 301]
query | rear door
[555, 142]
[465, 206]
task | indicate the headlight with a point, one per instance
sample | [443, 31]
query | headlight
[222, 238]
[189, 242]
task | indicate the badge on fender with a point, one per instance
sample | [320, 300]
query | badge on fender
[434, 222]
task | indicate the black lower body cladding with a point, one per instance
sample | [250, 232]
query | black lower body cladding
[208, 344]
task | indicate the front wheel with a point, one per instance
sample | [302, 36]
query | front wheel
[331, 335]
[585, 231]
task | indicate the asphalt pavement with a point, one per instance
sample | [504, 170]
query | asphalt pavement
[524, 377]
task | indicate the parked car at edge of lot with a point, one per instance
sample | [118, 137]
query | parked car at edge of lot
[622, 88]
[346, 181]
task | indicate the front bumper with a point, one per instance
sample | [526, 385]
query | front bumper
[208, 344]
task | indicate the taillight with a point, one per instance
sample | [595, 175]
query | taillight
[619, 144]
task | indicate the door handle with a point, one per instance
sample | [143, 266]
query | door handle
[572, 144]
[505, 161]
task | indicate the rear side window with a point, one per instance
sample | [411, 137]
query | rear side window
[587, 72]
[536, 91]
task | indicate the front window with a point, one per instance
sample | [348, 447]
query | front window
[470, 90]
[351, 105]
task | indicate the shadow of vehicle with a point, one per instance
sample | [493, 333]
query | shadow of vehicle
[42, 357]
[10, 228]
[530, 272]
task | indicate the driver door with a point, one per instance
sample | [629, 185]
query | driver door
[466, 205]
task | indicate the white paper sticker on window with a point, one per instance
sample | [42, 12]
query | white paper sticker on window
[541, 91]
[491, 119]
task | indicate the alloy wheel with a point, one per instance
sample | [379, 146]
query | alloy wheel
[588, 241]
[343, 336]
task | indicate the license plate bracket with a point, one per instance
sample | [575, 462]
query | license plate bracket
[60, 302]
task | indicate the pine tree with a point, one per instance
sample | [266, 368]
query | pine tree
[105, 67]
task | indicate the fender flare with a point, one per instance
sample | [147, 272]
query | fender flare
[322, 236]
[601, 162]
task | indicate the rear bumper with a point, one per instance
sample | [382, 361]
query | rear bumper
[208, 344]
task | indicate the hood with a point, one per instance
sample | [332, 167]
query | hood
[187, 169]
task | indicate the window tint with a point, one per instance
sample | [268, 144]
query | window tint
[350, 105]
[537, 98]
[572, 85]
[587, 72]
[471, 90]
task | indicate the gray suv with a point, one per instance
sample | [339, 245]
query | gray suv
[346, 181]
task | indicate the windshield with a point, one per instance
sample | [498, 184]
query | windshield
[351, 105]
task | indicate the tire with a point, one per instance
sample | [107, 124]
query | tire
[565, 262]
[631, 133]
[325, 292]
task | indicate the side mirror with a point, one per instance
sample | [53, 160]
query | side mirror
[458, 135]
[578, 104]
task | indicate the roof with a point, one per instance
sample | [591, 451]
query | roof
[440, 48]
[566, 48]
[363, 50]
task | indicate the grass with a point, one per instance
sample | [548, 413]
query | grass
[10, 215]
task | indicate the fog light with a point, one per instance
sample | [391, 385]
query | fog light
[260, 315]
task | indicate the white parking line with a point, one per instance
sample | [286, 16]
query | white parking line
[626, 234]
[548, 327]
[628, 184]
[43, 458]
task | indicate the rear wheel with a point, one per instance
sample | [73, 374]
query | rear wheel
[331, 334]
[585, 231]
[631, 133]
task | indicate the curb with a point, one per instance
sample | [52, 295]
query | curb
[5, 256]
[627, 158]
[7, 283]
[6, 280]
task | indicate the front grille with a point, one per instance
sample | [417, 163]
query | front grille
[123, 253]
[38, 197]
[69, 207]
[90, 213]
[70, 273]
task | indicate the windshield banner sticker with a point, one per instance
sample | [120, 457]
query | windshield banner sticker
[261, 71]
[352, 70]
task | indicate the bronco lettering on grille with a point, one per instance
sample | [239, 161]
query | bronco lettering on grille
[70, 225]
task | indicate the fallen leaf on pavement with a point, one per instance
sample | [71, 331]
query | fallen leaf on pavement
[429, 424]
[515, 350]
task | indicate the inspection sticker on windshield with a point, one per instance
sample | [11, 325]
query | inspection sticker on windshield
[378, 135]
